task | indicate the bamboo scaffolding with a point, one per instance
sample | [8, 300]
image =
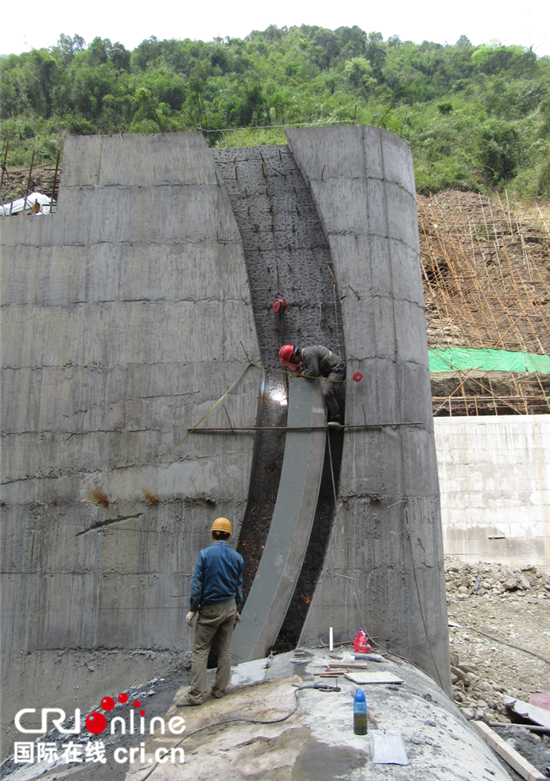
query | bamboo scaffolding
[531, 265]
[477, 286]
[450, 266]
[487, 294]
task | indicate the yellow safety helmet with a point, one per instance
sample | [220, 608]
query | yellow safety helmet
[221, 525]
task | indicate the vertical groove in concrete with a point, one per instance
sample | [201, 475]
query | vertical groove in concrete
[290, 529]
[287, 255]
[384, 562]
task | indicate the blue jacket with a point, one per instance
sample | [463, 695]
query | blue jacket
[218, 576]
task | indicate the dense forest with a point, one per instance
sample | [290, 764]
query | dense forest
[476, 118]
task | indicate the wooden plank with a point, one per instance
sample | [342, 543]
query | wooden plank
[503, 749]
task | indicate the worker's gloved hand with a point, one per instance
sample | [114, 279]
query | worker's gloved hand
[189, 617]
[237, 617]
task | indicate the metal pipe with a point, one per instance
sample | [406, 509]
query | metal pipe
[54, 197]
[28, 182]
[4, 167]
[301, 428]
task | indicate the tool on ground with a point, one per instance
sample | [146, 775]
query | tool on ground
[324, 687]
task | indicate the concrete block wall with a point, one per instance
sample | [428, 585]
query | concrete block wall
[123, 318]
[494, 475]
[384, 564]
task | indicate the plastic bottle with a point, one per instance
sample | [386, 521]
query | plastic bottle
[360, 713]
[361, 644]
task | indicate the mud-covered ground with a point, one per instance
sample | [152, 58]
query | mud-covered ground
[499, 630]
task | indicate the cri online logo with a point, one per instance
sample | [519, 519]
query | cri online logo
[96, 721]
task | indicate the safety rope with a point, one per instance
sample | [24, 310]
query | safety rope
[289, 373]
[190, 431]
[258, 365]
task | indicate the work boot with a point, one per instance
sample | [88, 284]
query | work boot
[187, 703]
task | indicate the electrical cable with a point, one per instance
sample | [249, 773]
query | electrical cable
[258, 365]
[214, 406]
[270, 127]
[318, 687]
[510, 645]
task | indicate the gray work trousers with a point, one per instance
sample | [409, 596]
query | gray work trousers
[331, 389]
[215, 623]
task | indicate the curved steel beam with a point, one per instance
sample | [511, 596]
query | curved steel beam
[290, 529]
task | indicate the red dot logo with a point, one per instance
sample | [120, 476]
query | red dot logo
[96, 723]
[142, 713]
[357, 376]
[137, 703]
[122, 698]
[107, 703]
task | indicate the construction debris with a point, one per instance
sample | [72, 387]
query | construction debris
[503, 749]
[525, 710]
[499, 635]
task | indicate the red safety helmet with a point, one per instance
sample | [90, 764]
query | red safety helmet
[285, 354]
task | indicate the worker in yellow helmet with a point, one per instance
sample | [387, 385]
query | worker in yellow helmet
[216, 590]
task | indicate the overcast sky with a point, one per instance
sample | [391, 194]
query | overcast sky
[37, 25]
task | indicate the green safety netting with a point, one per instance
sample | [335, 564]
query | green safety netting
[466, 358]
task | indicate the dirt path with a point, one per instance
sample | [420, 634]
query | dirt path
[512, 605]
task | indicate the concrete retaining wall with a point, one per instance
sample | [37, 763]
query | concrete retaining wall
[494, 475]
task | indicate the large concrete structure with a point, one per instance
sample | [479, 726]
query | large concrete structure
[126, 316]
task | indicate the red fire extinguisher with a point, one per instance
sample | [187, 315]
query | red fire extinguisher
[361, 644]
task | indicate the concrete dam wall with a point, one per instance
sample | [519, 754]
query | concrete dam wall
[126, 316]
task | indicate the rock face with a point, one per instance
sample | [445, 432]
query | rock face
[126, 316]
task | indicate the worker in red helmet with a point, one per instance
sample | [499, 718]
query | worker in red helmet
[216, 590]
[318, 361]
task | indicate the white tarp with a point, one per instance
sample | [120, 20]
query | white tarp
[43, 202]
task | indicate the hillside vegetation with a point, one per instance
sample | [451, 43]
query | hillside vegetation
[476, 118]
